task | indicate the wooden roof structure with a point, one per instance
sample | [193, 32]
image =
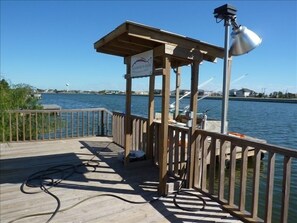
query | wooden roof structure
[132, 38]
[169, 51]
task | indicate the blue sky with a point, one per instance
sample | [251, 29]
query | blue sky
[50, 43]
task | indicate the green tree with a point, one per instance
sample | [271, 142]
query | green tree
[20, 96]
[14, 97]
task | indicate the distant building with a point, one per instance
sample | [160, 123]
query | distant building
[245, 92]
[232, 92]
[157, 92]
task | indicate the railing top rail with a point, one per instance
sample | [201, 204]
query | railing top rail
[249, 142]
[60, 110]
[118, 113]
[132, 115]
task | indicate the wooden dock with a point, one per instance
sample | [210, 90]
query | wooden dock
[138, 182]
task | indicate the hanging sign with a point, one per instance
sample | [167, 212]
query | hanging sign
[142, 64]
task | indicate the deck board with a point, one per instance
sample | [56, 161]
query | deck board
[138, 183]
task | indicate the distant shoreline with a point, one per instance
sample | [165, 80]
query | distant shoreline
[276, 100]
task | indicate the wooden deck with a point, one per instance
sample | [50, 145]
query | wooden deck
[138, 182]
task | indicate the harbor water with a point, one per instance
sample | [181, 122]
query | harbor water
[274, 122]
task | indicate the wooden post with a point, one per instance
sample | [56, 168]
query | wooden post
[128, 127]
[177, 89]
[164, 128]
[193, 108]
[150, 129]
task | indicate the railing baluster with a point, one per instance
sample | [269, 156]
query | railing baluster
[135, 132]
[72, 124]
[170, 149]
[88, 121]
[256, 182]
[204, 163]
[286, 188]
[61, 125]
[102, 123]
[42, 125]
[243, 178]
[212, 165]
[3, 129]
[182, 150]
[176, 151]
[269, 187]
[83, 124]
[93, 123]
[10, 128]
[77, 125]
[140, 144]
[119, 130]
[36, 126]
[222, 169]
[232, 174]
[55, 124]
[24, 126]
[67, 123]
[197, 160]
[49, 125]
[17, 125]
[30, 126]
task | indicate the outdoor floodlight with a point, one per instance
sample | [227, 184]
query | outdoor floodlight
[244, 40]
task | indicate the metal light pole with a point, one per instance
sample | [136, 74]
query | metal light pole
[226, 79]
[226, 13]
[244, 41]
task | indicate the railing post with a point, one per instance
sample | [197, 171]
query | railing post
[128, 124]
[193, 109]
[164, 128]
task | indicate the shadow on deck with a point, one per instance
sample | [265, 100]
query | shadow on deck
[138, 183]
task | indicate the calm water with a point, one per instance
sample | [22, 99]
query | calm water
[274, 122]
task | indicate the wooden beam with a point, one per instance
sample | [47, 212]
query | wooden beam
[151, 110]
[182, 52]
[164, 129]
[128, 127]
[177, 89]
[193, 108]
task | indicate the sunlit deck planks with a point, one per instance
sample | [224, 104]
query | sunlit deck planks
[137, 183]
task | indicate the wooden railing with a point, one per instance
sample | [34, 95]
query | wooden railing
[228, 183]
[139, 131]
[29, 125]
[222, 168]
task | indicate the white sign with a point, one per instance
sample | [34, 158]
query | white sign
[142, 64]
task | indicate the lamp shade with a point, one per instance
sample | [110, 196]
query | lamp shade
[244, 40]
